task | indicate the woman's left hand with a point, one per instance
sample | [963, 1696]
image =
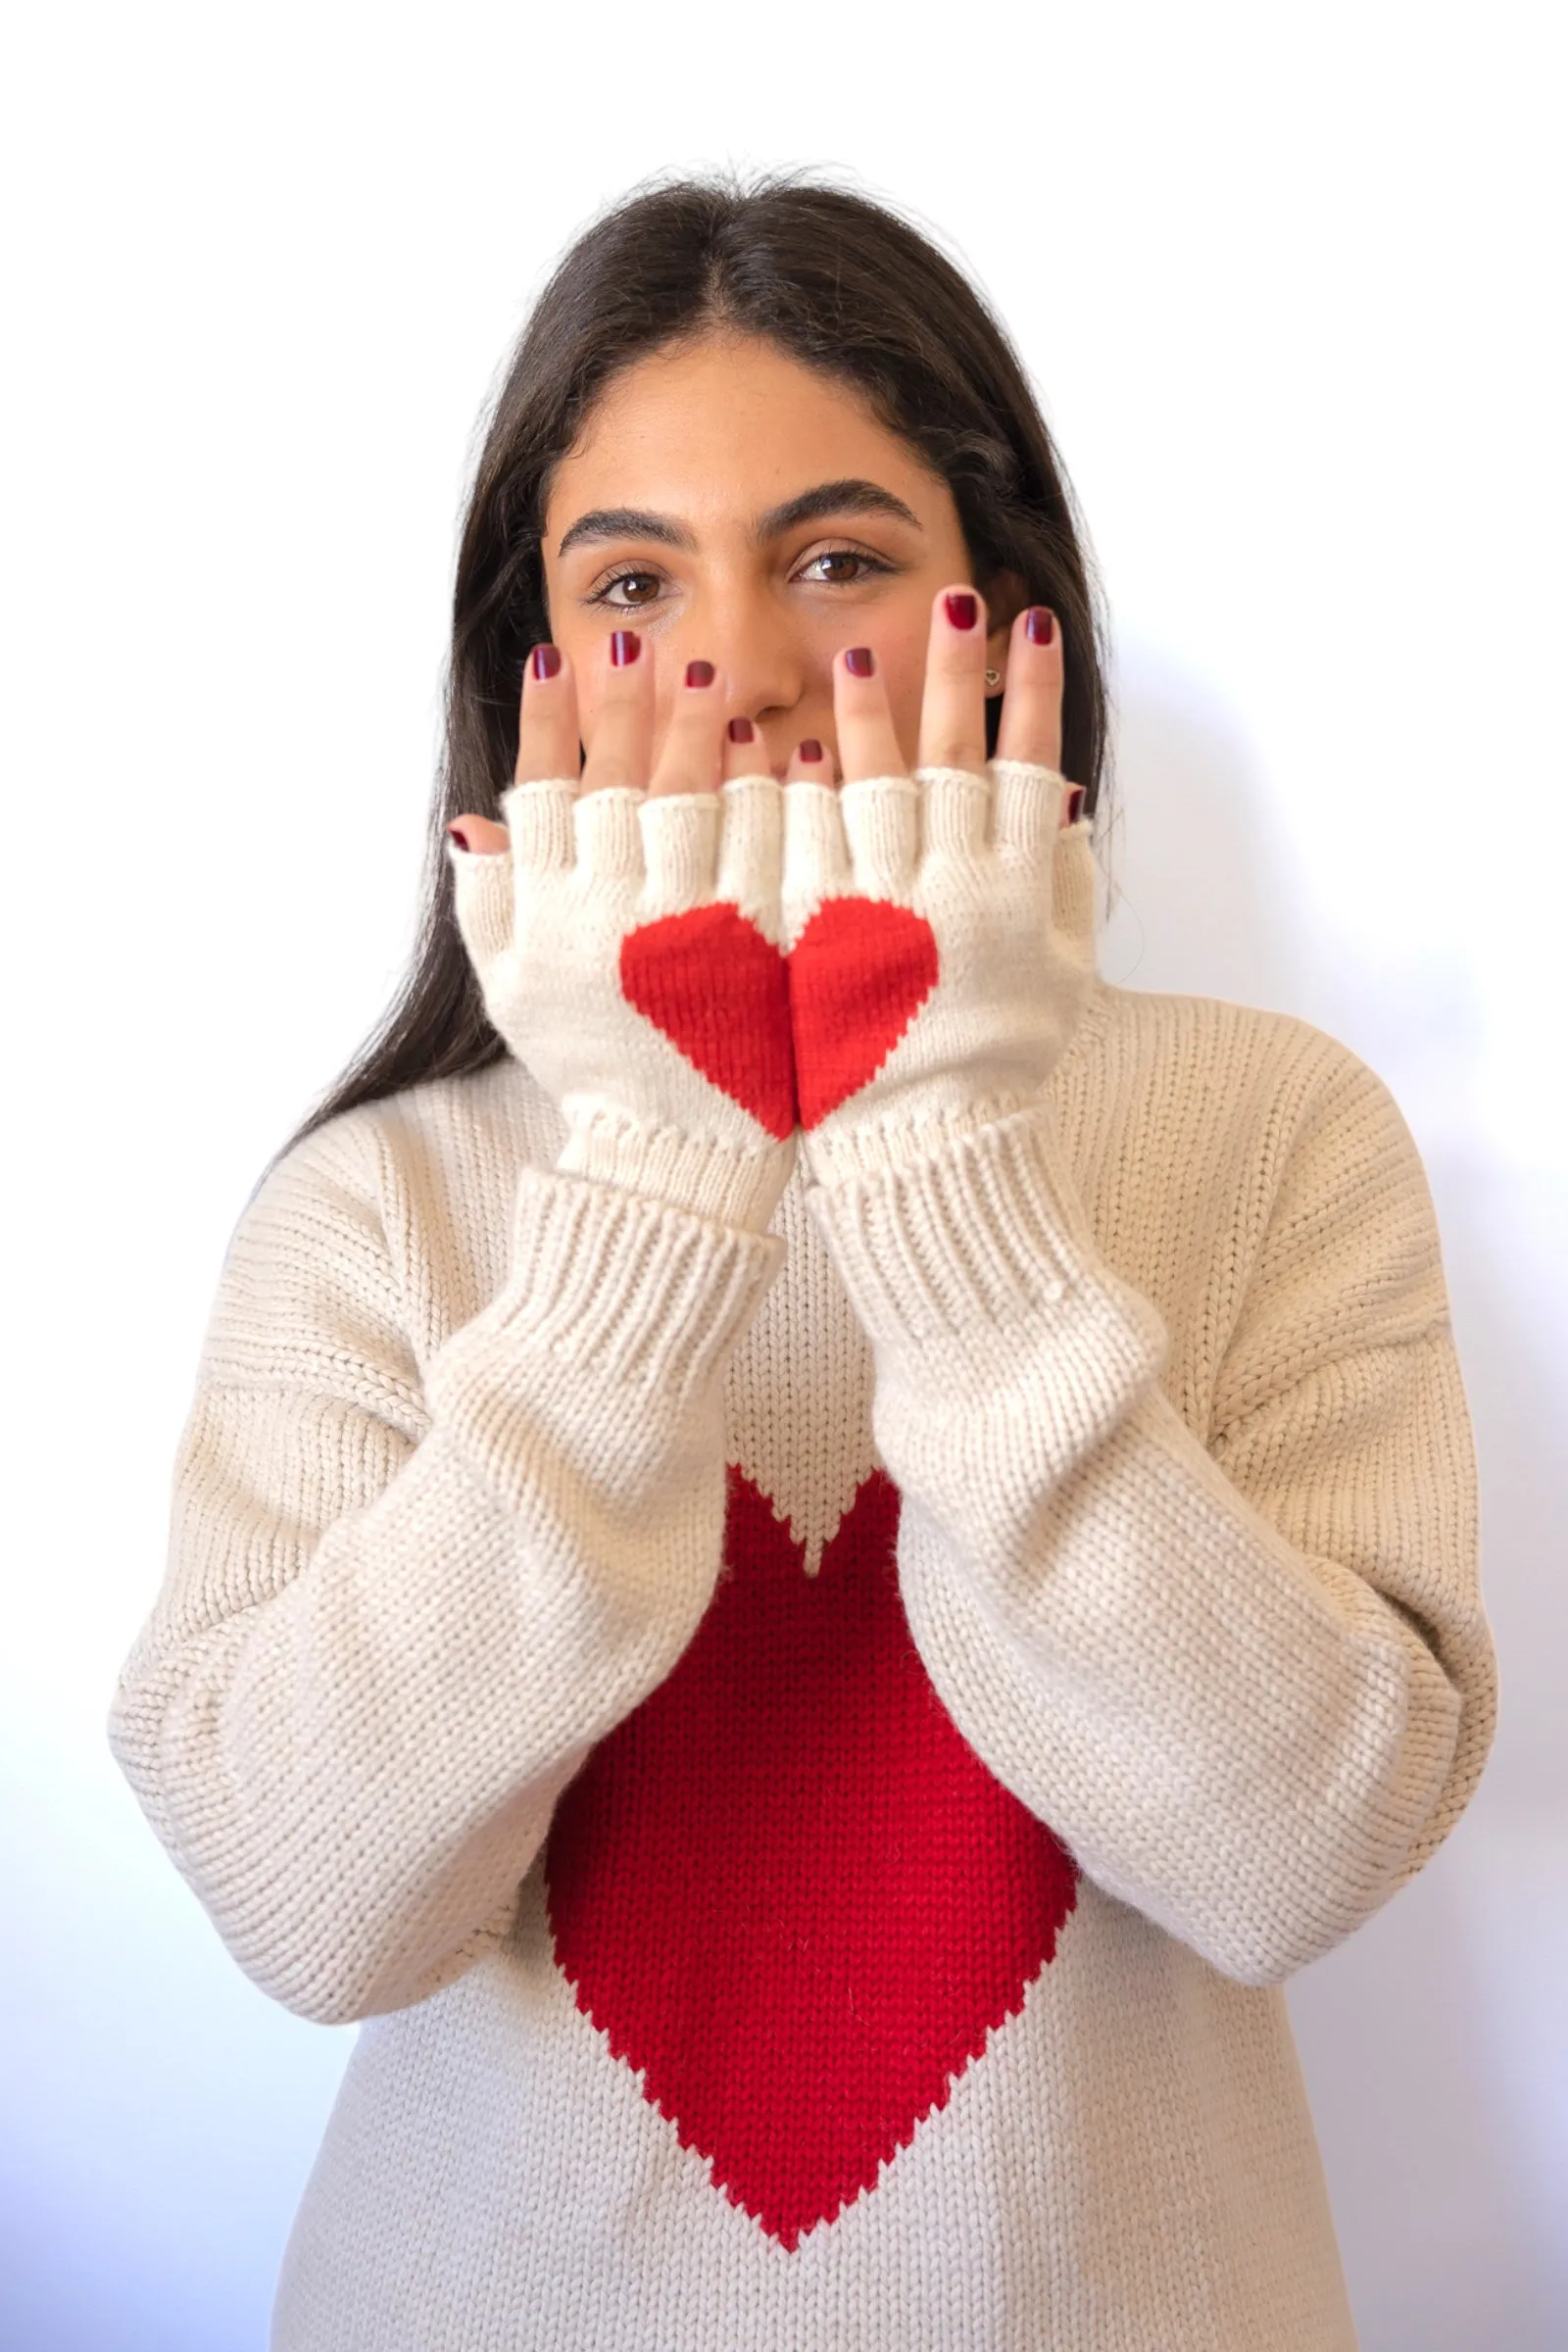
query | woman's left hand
[930, 989]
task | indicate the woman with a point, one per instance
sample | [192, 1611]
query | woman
[813, 1549]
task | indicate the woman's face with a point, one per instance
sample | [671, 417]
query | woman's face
[734, 506]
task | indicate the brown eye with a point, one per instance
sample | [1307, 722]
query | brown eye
[633, 581]
[840, 556]
[846, 568]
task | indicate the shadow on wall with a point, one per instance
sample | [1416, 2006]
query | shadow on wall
[1434, 2042]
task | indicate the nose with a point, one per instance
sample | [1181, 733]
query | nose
[758, 651]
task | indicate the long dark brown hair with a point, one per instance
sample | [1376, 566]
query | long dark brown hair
[840, 283]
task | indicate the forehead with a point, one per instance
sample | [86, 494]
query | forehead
[727, 427]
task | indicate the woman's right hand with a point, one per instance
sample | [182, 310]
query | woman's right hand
[624, 927]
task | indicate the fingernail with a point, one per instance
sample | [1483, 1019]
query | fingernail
[624, 647]
[963, 610]
[741, 730]
[860, 661]
[698, 673]
[546, 660]
[1075, 802]
[811, 749]
[1040, 625]
[459, 836]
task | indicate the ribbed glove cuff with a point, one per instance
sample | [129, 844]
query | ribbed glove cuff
[689, 1172]
[981, 1246]
[617, 1287]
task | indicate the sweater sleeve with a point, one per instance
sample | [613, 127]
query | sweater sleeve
[1249, 1682]
[397, 1612]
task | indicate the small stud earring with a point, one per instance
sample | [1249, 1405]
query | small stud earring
[993, 677]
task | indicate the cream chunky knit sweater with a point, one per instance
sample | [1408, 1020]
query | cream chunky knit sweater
[812, 1754]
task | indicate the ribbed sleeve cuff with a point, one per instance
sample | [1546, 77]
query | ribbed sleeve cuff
[970, 1252]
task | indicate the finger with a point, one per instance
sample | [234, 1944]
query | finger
[952, 709]
[1030, 726]
[817, 855]
[548, 739]
[479, 836]
[954, 811]
[862, 721]
[750, 850]
[744, 751]
[691, 757]
[539, 825]
[882, 825]
[810, 763]
[1029, 808]
[680, 849]
[607, 833]
[620, 744]
[483, 902]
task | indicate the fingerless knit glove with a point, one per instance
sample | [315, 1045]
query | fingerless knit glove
[930, 991]
[628, 952]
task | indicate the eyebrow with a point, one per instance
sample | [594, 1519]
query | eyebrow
[851, 496]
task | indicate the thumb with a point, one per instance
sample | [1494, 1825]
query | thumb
[479, 835]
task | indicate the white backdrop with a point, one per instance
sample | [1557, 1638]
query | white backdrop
[1290, 284]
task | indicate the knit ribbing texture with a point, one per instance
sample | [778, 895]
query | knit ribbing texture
[811, 1755]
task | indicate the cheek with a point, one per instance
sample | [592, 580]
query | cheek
[580, 637]
[580, 645]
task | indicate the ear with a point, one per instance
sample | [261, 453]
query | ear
[1006, 593]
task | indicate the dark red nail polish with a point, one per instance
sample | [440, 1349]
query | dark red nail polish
[459, 836]
[624, 647]
[860, 661]
[698, 673]
[1075, 802]
[546, 660]
[810, 751]
[1041, 626]
[963, 610]
[741, 730]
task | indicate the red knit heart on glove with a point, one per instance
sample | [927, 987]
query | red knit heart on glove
[859, 973]
[786, 1890]
[717, 987]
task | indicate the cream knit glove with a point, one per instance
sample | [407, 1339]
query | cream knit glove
[627, 951]
[930, 992]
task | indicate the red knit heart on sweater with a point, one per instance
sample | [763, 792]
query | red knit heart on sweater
[786, 1890]
[859, 973]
